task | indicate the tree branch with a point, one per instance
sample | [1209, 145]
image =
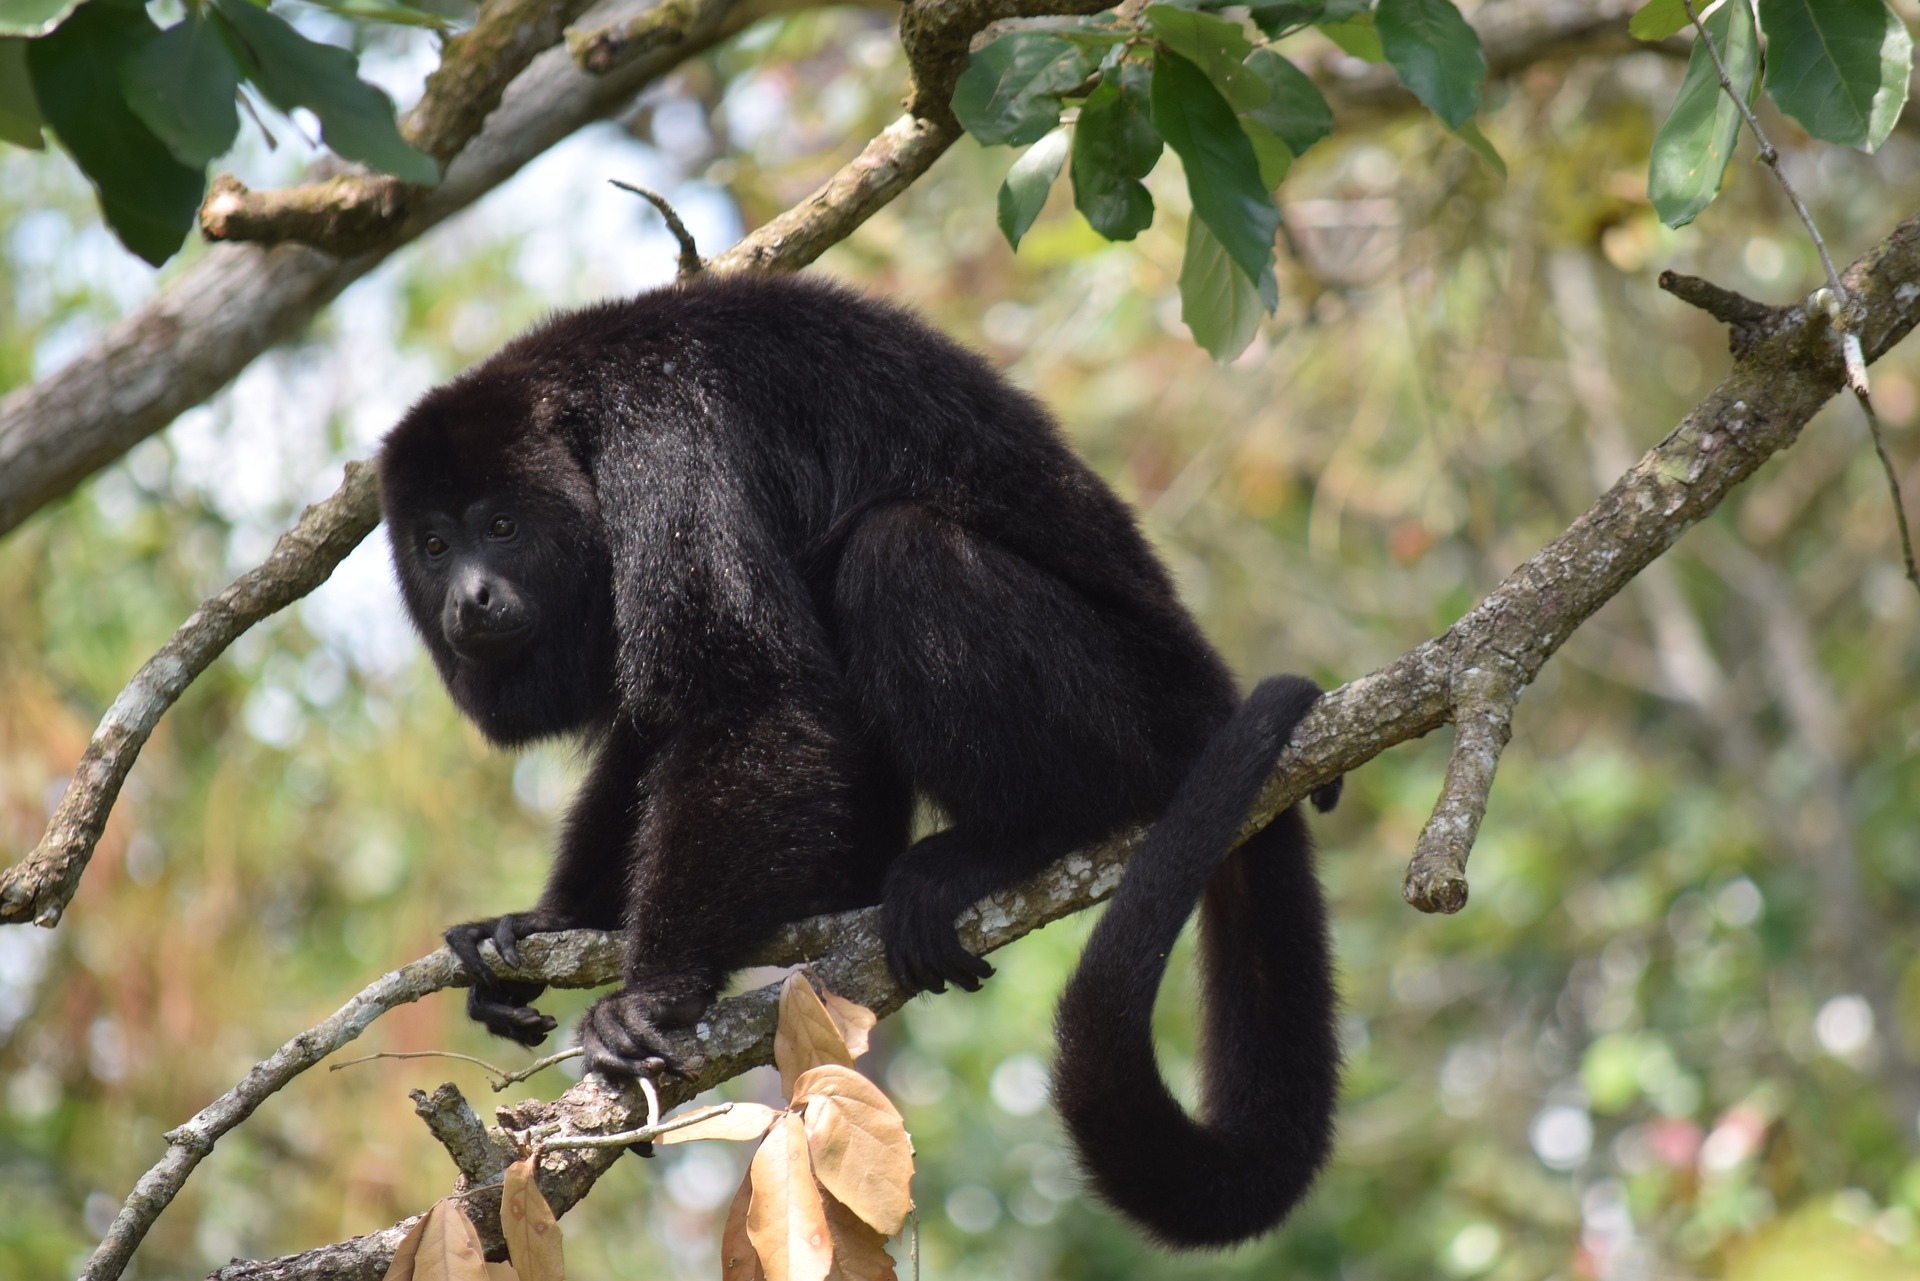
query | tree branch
[1472, 674]
[212, 320]
[39, 887]
[205, 327]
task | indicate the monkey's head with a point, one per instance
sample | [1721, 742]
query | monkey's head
[502, 558]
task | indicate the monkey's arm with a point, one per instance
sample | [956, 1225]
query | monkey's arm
[584, 890]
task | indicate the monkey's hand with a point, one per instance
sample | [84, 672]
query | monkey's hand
[505, 1006]
[624, 1034]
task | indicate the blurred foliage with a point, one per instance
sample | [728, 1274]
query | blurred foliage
[1677, 1031]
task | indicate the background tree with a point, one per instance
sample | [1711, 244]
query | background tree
[1673, 1030]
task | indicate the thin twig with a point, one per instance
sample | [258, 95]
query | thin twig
[1842, 312]
[1769, 155]
[653, 1129]
[1893, 485]
[416, 1054]
[691, 263]
[535, 1067]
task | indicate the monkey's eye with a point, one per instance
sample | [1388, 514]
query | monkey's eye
[436, 546]
[502, 527]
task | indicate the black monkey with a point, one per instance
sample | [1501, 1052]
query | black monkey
[788, 559]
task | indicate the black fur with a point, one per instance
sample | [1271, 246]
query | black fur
[788, 559]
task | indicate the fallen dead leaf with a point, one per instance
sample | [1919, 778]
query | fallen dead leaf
[738, 1121]
[785, 1220]
[859, 1145]
[739, 1261]
[805, 1036]
[526, 1220]
[853, 1021]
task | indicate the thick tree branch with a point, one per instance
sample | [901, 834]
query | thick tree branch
[239, 300]
[1473, 673]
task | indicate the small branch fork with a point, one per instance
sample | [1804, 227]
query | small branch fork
[1840, 304]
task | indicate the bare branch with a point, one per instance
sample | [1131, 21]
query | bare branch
[1893, 484]
[450, 1119]
[1436, 879]
[39, 887]
[690, 263]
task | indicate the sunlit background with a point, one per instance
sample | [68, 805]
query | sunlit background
[1675, 1034]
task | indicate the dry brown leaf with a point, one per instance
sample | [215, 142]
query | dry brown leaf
[859, 1250]
[859, 1144]
[501, 1272]
[785, 1220]
[526, 1220]
[739, 1261]
[401, 1269]
[805, 1036]
[738, 1121]
[853, 1021]
[441, 1247]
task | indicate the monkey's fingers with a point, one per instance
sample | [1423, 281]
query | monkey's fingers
[520, 1023]
[506, 937]
[465, 941]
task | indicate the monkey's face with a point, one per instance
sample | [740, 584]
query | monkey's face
[509, 592]
[476, 560]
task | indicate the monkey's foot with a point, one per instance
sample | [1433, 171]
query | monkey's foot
[923, 949]
[624, 1035]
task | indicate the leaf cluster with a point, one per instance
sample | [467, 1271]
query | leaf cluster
[143, 109]
[1838, 67]
[1233, 108]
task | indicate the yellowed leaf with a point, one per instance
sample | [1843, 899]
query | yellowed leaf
[404, 1254]
[739, 1261]
[805, 1036]
[785, 1219]
[853, 1021]
[501, 1272]
[859, 1145]
[859, 1251]
[738, 1121]
[449, 1247]
[526, 1220]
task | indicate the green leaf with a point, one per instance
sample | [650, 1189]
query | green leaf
[1282, 16]
[1658, 19]
[33, 17]
[20, 120]
[1476, 141]
[1272, 154]
[1010, 92]
[1295, 109]
[1217, 301]
[356, 119]
[1355, 36]
[1214, 45]
[1839, 67]
[1691, 151]
[148, 197]
[1024, 193]
[1435, 54]
[399, 15]
[1114, 146]
[182, 86]
[1223, 174]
